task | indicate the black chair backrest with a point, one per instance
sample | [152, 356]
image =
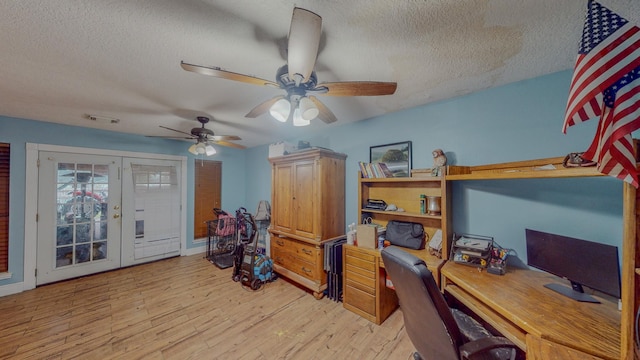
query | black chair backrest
[427, 316]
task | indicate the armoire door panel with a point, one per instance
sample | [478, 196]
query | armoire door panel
[305, 214]
[282, 198]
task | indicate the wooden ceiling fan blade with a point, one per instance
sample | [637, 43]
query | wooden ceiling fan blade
[217, 72]
[229, 144]
[224, 137]
[304, 40]
[359, 88]
[325, 114]
[182, 132]
[263, 107]
[171, 137]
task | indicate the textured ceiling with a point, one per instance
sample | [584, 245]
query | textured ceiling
[64, 59]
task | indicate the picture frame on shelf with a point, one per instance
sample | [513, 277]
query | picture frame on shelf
[397, 157]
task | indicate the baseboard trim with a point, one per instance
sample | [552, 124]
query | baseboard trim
[11, 289]
[195, 250]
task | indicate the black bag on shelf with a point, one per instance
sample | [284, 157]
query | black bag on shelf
[405, 234]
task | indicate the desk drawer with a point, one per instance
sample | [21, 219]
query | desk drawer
[355, 268]
[360, 254]
[356, 262]
[360, 299]
[362, 283]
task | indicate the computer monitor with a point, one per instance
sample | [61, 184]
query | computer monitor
[582, 262]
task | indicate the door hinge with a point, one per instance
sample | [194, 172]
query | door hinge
[37, 217]
[38, 163]
[35, 273]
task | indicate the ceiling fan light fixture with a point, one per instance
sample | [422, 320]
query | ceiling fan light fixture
[298, 120]
[192, 149]
[201, 148]
[308, 110]
[210, 150]
[280, 110]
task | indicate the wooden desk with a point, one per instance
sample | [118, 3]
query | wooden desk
[520, 307]
[365, 292]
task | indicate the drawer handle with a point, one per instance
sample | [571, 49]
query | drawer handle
[306, 270]
[306, 251]
[280, 242]
[278, 259]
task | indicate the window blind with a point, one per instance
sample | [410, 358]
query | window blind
[4, 206]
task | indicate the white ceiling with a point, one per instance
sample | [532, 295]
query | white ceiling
[63, 59]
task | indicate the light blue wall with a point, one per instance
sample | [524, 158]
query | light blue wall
[515, 122]
[18, 132]
[258, 170]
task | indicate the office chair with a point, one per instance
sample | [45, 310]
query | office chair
[437, 331]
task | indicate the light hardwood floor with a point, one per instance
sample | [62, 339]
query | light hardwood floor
[184, 308]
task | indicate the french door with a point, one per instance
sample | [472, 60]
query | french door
[79, 209]
[151, 200]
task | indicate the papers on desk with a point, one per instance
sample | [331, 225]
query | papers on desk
[471, 243]
[472, 250]
[436, 240]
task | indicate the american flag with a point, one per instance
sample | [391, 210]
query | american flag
[605, 83]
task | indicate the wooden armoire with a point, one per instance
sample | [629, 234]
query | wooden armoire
[307, 209]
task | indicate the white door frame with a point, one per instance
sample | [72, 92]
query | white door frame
[31, 198]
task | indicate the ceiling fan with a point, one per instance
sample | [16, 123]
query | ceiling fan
[204, 138]
[298, 77]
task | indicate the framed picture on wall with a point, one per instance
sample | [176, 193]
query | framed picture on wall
[397, 156]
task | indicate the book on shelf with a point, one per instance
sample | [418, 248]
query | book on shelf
[374, 170]
[385, 170]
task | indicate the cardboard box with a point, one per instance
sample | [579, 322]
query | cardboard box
[367, 236]
[280, 148]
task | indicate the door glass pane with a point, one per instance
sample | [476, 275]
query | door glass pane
[64, 235]
[81, 199]
[83, 233]
[100, 231]
[64, 255]
[99, 250]
[82, 253]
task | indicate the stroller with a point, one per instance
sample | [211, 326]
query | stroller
[251, 269]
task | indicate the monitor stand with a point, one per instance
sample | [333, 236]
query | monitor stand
[571, 293]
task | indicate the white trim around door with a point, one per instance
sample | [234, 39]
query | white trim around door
[31, 200]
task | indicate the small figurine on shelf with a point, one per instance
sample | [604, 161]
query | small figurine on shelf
[439, 160]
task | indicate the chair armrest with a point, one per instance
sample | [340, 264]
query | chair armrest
[481, 345]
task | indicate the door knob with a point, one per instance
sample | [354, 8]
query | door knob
[115, 216]
[117, 207]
